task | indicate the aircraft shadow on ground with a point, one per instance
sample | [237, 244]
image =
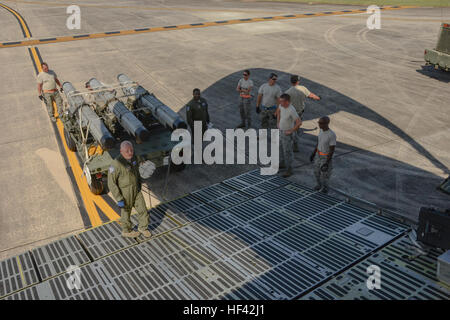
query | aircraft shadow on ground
[224, 113]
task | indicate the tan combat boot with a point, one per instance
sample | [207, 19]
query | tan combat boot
[130, 234]
[145, 233]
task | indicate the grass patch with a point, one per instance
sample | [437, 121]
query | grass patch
[419, 3]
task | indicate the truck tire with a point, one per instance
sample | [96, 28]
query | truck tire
[69, 141]
[96, 186]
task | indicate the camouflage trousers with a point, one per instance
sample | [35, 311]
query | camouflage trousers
[49, 98]
[322, 178]
[296, 139]
[244, 108]
[268, 120]
[286, 148]
[299, 132]
[142, 214]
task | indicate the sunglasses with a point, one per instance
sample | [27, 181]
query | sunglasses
[245, 74]
[274, 79]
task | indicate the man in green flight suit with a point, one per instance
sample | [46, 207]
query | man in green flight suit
[124, 182]
[197, 110]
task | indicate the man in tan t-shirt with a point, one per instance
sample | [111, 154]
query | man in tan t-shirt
[244, 87]
[323, 155]
[48, 92]
[288, 122]
[298, 96]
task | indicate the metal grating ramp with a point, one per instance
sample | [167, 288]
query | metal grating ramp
[250, 237]
[220, 196]
[401, 278]
[160, 222]
[93, 286]
[16, 273]
[56, 257]
[186, 209]
[252, 184]
[105, 240]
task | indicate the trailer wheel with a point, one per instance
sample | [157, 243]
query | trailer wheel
[69, 141]
[96, 186]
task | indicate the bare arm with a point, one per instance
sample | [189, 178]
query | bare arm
[298, 123]
[40, 89]
[258, 100]
[330, 154]
[313, 96]
[58, 83]
[277, 113]
[313, 155]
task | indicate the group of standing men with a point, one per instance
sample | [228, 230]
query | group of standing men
[285, 112]
[277, 110]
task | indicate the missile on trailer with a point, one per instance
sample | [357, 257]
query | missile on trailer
[79, 108]
[144, 99]
[126, 118]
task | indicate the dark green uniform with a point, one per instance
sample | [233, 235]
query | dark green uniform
[197, 110]
[124, 182]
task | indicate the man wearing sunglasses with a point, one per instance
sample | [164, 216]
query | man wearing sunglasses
[268, 99]
[244, 87]
[323, 154]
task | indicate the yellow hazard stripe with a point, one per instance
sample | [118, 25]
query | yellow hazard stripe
[185, 26]
[86, 195]
[22, 277]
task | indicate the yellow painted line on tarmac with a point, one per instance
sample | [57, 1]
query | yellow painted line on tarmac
[87, 196]
[33, 42]
[21, 21]
[21, 271]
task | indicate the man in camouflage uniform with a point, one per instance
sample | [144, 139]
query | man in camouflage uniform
[48, 92]
[244, 87]
[288, 122]
[267, 102]
[298, 96]
[124, 182]
[323, 155]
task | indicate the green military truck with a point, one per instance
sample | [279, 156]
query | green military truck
[440, 56]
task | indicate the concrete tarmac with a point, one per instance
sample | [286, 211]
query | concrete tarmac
[389, 111]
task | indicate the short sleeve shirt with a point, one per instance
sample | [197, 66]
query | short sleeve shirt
[298, 96]
[325, 140]
[269, 94]
[288, 116]
[47, 79]
[245, 84]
